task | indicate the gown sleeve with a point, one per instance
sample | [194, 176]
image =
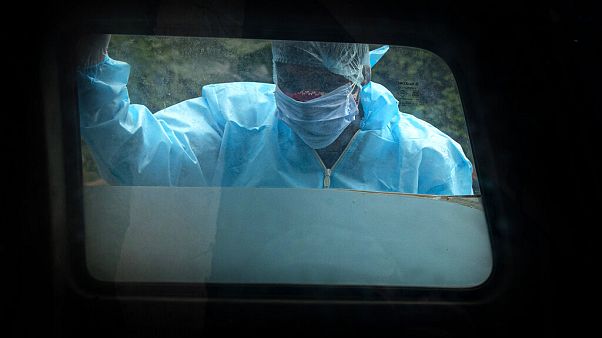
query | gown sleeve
[130, 145]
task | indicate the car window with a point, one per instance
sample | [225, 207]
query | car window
[166, 71]
[199, 166]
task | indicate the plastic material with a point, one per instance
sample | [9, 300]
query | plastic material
[377, 54]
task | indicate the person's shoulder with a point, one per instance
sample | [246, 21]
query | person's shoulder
[411, 127]
[249, 104]
[413, 134]
[417, 135]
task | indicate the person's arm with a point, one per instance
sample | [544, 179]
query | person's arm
[444, 169]
[439, 163]
[130, 145]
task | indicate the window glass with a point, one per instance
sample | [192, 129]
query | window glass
[425, 87]
[249, 161]
[168, 70]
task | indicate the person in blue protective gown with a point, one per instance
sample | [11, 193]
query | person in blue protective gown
[321, 124]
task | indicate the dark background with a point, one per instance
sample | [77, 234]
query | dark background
[537, 74]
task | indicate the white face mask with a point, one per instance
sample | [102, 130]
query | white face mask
[320, 121]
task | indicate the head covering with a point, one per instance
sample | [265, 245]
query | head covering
[345, 59]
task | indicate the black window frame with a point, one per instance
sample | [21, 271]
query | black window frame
[438, 37]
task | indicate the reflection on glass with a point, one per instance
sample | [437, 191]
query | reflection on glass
[163, 111]
[246, 161]
[284, 236]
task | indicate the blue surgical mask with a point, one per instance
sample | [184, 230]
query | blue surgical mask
[320, 121]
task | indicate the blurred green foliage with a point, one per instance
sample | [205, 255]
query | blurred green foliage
[168, 70]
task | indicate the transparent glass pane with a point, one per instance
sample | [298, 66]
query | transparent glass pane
[426, 88]
[201, 164]
[284, 236]
[166, 71]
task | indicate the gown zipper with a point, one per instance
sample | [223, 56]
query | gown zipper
[328, 171]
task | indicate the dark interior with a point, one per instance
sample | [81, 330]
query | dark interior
[526, 75]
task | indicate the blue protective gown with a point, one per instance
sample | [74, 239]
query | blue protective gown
[230, 136]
